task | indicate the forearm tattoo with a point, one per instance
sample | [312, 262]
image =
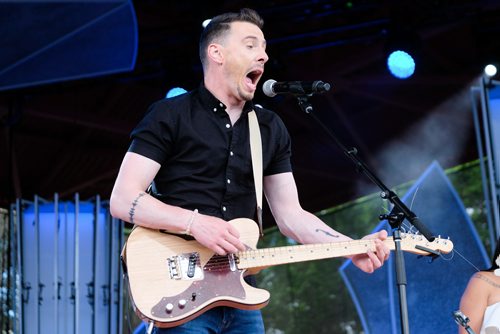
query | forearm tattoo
[131, 212]
[327, 233]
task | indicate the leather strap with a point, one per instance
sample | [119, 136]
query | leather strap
[256, 152]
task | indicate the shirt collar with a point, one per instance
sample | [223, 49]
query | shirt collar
[216, 106]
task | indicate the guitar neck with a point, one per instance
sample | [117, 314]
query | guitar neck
[267, 257]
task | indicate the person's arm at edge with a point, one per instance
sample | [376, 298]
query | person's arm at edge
[473, 303]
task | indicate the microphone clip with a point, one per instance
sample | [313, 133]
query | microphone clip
[304, 103]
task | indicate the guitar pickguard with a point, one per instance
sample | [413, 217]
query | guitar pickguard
[218, 278]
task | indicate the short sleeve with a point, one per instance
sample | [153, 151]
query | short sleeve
[154, 134]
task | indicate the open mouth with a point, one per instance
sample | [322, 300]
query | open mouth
[255, 75]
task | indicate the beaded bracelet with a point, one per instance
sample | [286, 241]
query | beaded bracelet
[190, 222]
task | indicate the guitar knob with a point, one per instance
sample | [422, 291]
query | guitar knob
[182, 303]
[169, 308]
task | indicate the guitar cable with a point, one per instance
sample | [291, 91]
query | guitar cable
[127, 306]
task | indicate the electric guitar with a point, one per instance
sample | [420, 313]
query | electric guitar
[172, 279]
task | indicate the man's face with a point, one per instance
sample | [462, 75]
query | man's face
[245, 54]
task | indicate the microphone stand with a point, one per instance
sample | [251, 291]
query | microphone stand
[399, 212]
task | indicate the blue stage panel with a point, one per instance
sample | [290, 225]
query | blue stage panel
[434, 288]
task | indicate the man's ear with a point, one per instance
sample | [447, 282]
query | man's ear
[215, 53]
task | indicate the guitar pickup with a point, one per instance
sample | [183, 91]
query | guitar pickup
[193, 259]
[185, 267]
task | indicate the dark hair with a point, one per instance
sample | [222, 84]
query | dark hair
[495, 256]
[220, 25]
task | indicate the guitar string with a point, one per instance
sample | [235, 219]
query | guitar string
[222, 262]
[442, 255]
[218, 262]
[414, 197]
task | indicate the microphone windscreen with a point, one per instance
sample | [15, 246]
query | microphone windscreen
[267, 88]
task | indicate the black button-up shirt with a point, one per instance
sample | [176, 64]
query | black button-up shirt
[205, 160]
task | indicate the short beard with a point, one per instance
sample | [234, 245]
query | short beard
[245, 96]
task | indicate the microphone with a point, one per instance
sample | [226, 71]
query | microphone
[462, 320]
[272, 88]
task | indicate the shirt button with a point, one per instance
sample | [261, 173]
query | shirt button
[215, 109]
[228, 125]
[221, 104]
[224, 208]
[228, 181]
[231, 153]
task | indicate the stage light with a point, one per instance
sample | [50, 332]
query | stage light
[490, 70]
[175, 91]
[402, 50]
[401, 64]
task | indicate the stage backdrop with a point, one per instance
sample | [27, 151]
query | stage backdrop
[50, 41]
[434, 287]
[68, 267]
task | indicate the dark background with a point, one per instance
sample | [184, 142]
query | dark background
[69, 137]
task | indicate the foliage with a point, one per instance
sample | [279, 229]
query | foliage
[466, 180]
[311, 297]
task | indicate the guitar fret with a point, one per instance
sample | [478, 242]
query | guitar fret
[288, 254]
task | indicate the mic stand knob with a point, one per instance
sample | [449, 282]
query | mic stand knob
[304, 103]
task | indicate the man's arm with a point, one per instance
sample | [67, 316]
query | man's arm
[304, 227]
[130, 202]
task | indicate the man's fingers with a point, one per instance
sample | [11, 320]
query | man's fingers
[219, 250]
[383, 247]
[377, 263]
[233, 231]
[227, 247]
[382, 234]
[381, 250]
[236, 242]
[220, 236]
[234, 238]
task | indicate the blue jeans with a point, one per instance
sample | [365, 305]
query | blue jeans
[220, 320]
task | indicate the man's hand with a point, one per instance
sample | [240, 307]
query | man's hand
[371, 261]
[216, 234]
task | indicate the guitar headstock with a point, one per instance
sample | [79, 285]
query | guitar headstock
[418, 244]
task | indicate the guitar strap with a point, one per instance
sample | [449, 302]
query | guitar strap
[256, 152]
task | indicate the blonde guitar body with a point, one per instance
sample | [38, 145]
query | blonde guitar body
[173, 279]
[154, 287]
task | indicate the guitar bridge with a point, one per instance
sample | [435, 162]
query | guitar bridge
[185, 267]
